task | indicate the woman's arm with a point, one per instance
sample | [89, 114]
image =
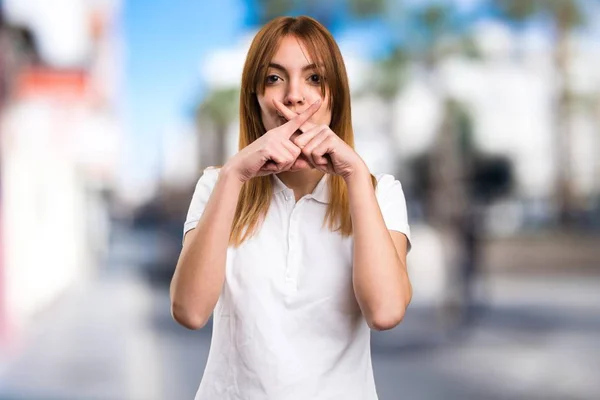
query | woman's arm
[200, 271]
[380, 278]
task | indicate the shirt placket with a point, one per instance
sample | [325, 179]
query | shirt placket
[294, 249]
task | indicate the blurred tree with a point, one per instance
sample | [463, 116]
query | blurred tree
[387, 79]
[563, 16]
[447, 179]
[389, 75]
[213, 117]
[367, 8]
[327, 12]
[435, 37]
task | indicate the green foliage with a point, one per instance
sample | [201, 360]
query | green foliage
[323, 10]
[220, 106]
[269, 9]
[389, 74]
[367, 8]
[567, 14]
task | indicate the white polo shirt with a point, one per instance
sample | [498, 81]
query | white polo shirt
[287, 325]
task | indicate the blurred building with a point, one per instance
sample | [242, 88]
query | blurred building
[60, 137]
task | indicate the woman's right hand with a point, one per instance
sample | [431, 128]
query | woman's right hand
[273, 152]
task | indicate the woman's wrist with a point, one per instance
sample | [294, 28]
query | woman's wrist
[360, 172]
[229, 174]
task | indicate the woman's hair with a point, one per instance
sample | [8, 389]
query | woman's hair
[255, 196]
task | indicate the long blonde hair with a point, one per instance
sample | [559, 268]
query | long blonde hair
[255, 196]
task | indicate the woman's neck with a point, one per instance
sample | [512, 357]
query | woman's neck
[301, 182]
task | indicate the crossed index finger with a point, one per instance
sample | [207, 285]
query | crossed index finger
[290, 127]
[289, 114]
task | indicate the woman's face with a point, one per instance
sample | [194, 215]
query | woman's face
[293, 80]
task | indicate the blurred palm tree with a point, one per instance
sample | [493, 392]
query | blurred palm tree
[436, 37]
[589, 103]
[214, 116]
[444, 173]
[564, 16]
[386, 80]
[326, 12]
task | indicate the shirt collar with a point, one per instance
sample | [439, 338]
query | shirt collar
[320, 193]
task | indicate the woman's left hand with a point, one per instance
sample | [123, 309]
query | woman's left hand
[323, 149]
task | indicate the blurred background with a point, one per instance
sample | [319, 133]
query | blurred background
[488, 111]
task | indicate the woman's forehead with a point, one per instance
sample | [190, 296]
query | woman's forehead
[292, 49]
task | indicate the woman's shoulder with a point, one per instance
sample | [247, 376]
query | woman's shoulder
[207, 181]
[388, 186]
[212, 170]
[385, 180]
[209, 175]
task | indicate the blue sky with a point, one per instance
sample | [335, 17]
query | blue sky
[165, 41]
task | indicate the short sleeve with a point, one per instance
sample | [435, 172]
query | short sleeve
[392, 203]
[202, 192]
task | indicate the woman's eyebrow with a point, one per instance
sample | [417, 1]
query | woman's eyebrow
[282, 68]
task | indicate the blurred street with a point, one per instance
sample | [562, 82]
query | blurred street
[486, 111]
[536, 337]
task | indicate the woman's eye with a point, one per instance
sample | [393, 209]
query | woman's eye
[272, 78]
[315, 78]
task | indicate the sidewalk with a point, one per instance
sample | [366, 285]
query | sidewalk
[544, 253]
[113, 339]
[93, 343]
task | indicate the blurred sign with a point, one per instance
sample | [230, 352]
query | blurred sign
[48, 82]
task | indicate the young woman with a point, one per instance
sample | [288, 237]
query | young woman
[293, 246]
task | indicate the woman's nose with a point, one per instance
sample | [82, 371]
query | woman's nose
[294, 96]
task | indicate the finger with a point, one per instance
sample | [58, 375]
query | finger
[277, 158]
[289, 115]
[300, 160]
[269, 168]
[293, 124]
[320, 154]
[292, 152]
[309, 149]
[302, 140]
